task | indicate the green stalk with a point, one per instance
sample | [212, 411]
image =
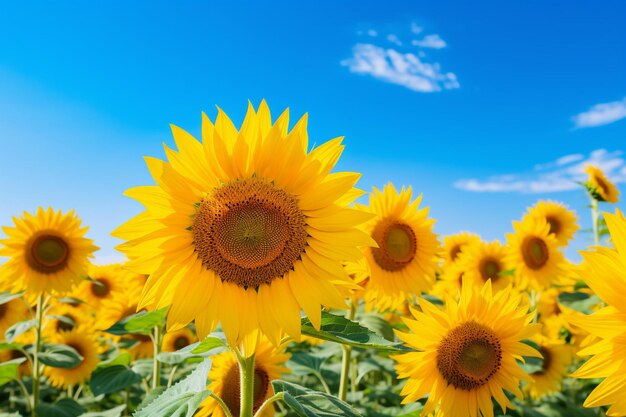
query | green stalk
[246, 378]
[276, 397]
[595, 217]
[156, 365]
[345, 361]
[36, 370]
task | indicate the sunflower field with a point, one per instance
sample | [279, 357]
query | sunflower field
[260, 281]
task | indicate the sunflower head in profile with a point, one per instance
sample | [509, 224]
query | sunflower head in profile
[604, 270]
[173, 341]
[47, 252]
[103, 282]
[534, 253]
[246, 228]
[405, 259]
[224, 376]
[599, 186]
[484, 261]
[562, 221]
[87, 347]
[454, 245]
[466, 353]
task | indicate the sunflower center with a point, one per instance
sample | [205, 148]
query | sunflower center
[249, 232]
[547, 360]
[397, 245]
[555, 225]
[469, 356]
[48, 254]
[231, 389]
[3, 310]
[180, 342]
[604, 188]
[65, 325]
[490, 269]
[455, 252]
[535, 252]
[100, 287]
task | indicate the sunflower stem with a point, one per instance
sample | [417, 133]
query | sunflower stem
[156, 365]
[345, 360]
[276, 397]
[25, 393]
[36, 370]
[246, 382]
[222, 404]
[595, 217]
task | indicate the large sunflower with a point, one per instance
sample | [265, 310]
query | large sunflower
[87, 347]
[534, 253]
[562, 221]
[104, 282]
[406, 257]
[599, 186]
[47, 252]
[466, 353]
[245, 228]
[482, 261]
[224, 376]
[604, 270]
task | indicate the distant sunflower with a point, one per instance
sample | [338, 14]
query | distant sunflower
[482, 261]
[173, 341]
[47, 252]
[557, 357]
[600, 187]
[142, 347]
[245, 228]
[63, 317]
[454, 245]
[104, 282]
[406, 257]
[24, 369]
[562, 221]
[224, 376]
[534, 253]
[12, 312]
[467, 353]
[449, 284]
[604, 270]
[87, 347]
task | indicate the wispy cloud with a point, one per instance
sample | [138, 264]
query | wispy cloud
[430, 41]
[405, 69]
[601, 114]
[416, 29]
[559, 175]
[393, 38]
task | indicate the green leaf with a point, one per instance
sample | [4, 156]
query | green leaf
[208, 346]
[121, 359]
[8, 370]
[60, 356]
[308, 403]
[341, 330]
[379, 326]
[210, 343]
[113, 412]
[62, 408]
[19, 328]
[10, 346]
[305, 363]
[5, 297]
[111, 379]
[139, 323]
[182, 399]
[579, 301]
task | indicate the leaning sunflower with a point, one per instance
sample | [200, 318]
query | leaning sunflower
[177, 340]
[466, 353]
[482, 261]
[404, 262]
[534, 253]
[454, 245]
[604, 270]
[47, 252]
[87, 347]
[245, 228]
[224, 376]
[562, 221]
[599, 186]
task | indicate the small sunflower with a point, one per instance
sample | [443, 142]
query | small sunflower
[604, 270]
[405, 260]
[143, 346]
[246, 228]
[178, 339]
[535, 254]
[466, 353]
[224, 376]
[449, 284]
[454, 245]
[482, 261]
[600, 187]
[12, 312]
[87, 347]
[104, 282]
[62, 317]
[557, 358]
[562, 221]
[47, 252]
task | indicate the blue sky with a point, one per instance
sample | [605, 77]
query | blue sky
[484, 107]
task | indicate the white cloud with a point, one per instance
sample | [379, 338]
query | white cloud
[601, 114]
[559, 175]
[372, 33]
[405, 69]
[394, 39]
[430, 41]
[416, 29]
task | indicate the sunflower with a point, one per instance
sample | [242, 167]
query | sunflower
[534, 253]
[599, 186]
[557, 357]
[405, 260]
[177, 340]
[562, 221]
[104, 282]
[466, 353]
[10, 313]
[245, 228]
[454, 245]
[47, 252]
[604, 270]
[62, 317]
[87, 347]
[224, 376]
[482, 261]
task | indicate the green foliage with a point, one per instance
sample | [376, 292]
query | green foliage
[60, 356]
[65, 407]
[308, 403]
[5, 297]
[139, 323]
[112, 378]
[19, 328]
[8, 370]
